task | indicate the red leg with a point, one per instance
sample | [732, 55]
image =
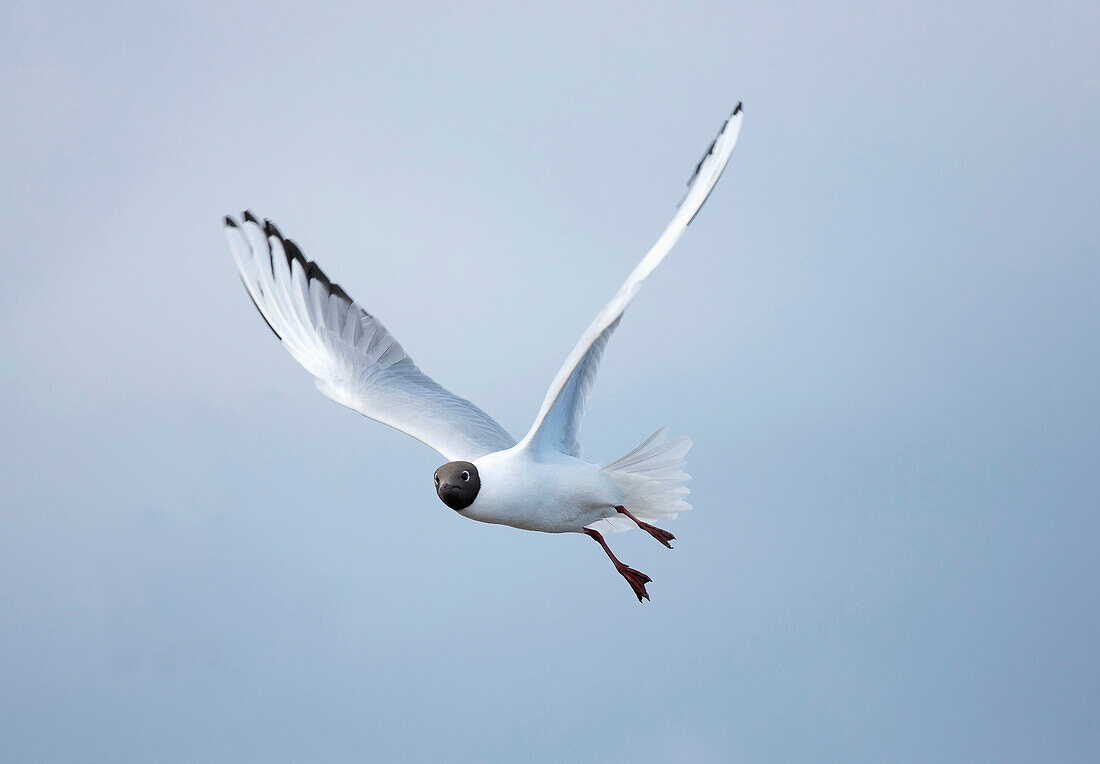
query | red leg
[635, 578]
[661, 535]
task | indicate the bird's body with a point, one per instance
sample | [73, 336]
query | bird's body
[539, 483]
[553, 493]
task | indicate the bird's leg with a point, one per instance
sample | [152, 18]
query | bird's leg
[661, 535]
[635, 578]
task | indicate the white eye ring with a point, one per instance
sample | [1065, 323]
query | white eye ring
[465, 475]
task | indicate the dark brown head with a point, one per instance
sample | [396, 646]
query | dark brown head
[457, 484]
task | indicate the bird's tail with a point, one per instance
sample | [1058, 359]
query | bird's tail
[652, 481]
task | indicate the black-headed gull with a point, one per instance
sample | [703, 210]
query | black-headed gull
[537, 484]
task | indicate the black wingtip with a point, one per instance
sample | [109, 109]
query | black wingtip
[339, 292]
[736, 110]
[229, 222]
[293, 250]
[271, 230]
[247, 214]
[312, 271]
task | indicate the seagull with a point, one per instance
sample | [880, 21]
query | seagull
[540, 483]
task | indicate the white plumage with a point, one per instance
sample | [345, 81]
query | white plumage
[355, 361]
[539, 483]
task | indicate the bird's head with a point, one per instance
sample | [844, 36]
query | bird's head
[457, 484]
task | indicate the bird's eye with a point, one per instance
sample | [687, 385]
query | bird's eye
[437, 479]
[465, 475]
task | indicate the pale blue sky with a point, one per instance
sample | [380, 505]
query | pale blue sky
[882, 333]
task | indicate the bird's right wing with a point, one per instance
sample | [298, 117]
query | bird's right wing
[356, 362]
[558, 421]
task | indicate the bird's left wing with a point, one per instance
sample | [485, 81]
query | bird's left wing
[558, 420]
[356, 362]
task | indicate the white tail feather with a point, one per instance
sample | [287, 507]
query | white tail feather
[652, 480]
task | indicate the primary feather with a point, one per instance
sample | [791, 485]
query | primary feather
[354, 359]
[558, 422]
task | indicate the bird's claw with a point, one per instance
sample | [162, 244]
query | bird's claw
[637, 580]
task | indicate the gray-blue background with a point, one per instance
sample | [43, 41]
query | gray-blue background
[882, 333]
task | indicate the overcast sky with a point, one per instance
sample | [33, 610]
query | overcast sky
[881, 332]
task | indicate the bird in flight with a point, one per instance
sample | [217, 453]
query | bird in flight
[540, 483]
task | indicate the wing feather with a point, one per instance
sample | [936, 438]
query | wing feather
[354, 360]
[558, 422]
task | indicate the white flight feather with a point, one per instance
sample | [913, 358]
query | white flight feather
[558, 421]
[355, 361]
